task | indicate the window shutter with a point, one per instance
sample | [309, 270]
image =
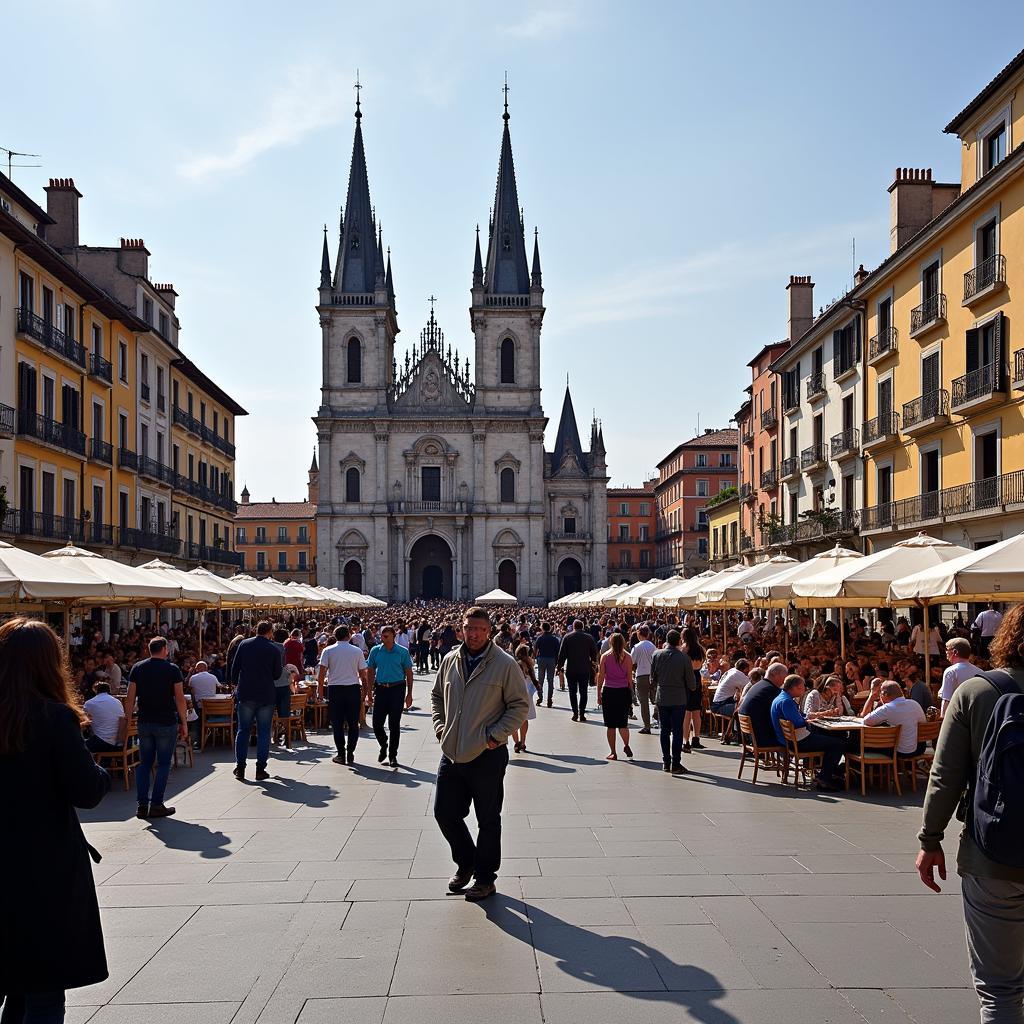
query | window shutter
[973, 349]
[997, 353]
[837, 353]
[856, 341]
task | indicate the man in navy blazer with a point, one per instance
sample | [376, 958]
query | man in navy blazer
[256, 666]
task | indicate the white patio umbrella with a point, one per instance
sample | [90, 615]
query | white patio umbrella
[496, 596]
[684, 595]
[264, 595]
[729, 590]
[126, 581]
[665, 586]
[278, 587]
[631, 596]
[776, 591]
[309, 594]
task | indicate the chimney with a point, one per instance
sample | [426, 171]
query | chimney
[910, 204]
[801, 305]
[861, 276]
[62, 205]
[134, 258]
[167, 293]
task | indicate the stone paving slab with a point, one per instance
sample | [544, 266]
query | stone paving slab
[625, 894]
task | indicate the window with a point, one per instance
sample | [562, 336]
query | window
[725, 460]
[165, 325]
[507, 482]
[645, 509]
[26, 291]
[846, 347]
[174, 394]
[47, 305]
[625, 559]
[508, 361]
[160, 400]
[623, 508]
[569, 524]
[122, 430]
[623, 531]
[303, 537]
[352, 484]
[702, 519]
[122, 362]
[240, 535]
[645, 559]
[97, 421]
[702, 461]
[884, 321]
[702, 547]
[282, 561]
[354, 361]
[282, 535]
[261, 535]
[302, 561]
[702, 488]
[993, 147]
[430, 483]
[930, 281]
[144, 375]
[147, 310]
[202, 413]
[261, 561]
[645, 532]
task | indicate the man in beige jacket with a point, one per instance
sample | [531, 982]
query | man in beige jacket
[478, 699]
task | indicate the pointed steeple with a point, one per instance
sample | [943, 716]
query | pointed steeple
[567, 440]
[507, 270]
[478, 264]
[535, 276]
[379, 279]
[389, 281]
[325, 264]
[356, 270]
[313, 467]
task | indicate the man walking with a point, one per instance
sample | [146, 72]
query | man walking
[992, 882]
[343, 667]
[577, 656]
[389, 679]
[477, 701]
[986, 625]
[254, 672]
[162, 721]
[642, 653]
[673, 679]
[546, 648]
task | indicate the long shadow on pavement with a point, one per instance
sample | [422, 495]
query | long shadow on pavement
[178, 834]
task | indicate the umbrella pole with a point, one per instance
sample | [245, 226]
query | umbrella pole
[785, 619]
[842, 637]
[220, 619]
[202, 622]
[927, 647]
[67, 626]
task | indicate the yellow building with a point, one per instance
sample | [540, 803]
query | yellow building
[943, 433]
[278, 538]
[724, 530]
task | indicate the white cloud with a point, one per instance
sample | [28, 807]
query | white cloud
[308, 100]
[545, 23]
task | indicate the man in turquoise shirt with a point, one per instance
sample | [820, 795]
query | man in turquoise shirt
[787, 706]
[388, 668]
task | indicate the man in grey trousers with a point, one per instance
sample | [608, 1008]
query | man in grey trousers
[993, 893]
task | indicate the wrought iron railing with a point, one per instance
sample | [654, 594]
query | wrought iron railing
[212, 553]
[886, 425]
[8, 418]
[42, 428]
[788, 467]
[846, 442]
[149, 540]
[1018, 365]
[156, 470]
[101, 451]
[882, 343]
[100, 368]
[745, 491]
[816, 385]
[826, 525]
[981, 383]
[769, 478]
[748, 437]
[190, 423]
[127, 459]
[935, 403]
[769, 417]
[931, 311]
[984, 275]
[46, 334]
[812, 456]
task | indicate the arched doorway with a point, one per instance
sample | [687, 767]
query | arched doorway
[430, 568]
[353, 577]
[570, 577]
[507, 577]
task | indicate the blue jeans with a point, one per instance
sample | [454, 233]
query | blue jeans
[671, 718]
[546, 671]
[33, 1007]
[263, 714]
[156, 743]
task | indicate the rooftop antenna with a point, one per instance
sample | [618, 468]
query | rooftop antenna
[11, 153]
[855, 258]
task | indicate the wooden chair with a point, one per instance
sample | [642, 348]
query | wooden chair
[216, 716]
[295, 723]
[877, 754]
[317, 712]
[125, 760]
[804, 761]
[763, 757]
[927, 732]
[185, 746]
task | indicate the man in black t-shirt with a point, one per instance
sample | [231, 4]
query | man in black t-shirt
[159, 687]
[758, 704]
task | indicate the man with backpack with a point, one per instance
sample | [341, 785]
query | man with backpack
[978, 773]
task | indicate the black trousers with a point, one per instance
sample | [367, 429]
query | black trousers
[482, 783]
[343, 704]
[578, 685]
[388, 703]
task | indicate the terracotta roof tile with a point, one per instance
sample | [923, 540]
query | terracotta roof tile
[276, 510]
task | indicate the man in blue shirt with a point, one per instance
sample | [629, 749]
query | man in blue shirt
[389, 678]
[787, 706]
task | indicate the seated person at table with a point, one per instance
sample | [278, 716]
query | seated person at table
[728, 692]
[202, 683]
[886, 705]
[918, 689]
[787, 706]
[105, 713]
[828, 695]
[758, 704]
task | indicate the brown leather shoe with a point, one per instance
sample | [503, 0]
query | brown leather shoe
[479, 892]
[262, 775]
[143, 811]
[460, 880]
[160, 811]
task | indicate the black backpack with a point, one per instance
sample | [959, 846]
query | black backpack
[996, 819]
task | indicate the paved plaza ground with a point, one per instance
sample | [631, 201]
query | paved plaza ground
[626, 895]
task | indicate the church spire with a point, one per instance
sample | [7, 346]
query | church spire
[357, 268]
[567, 440]
[478, 264]
[535, 276]
[507, 270]
[389, 281]
[325, 264]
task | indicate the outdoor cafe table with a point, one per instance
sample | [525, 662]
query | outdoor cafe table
[842, 723]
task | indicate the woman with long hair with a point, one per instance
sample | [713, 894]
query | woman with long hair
[524, 658]
[694, 698]
[614, 696]
[50, 934]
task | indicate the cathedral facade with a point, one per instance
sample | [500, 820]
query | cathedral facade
[434, 479]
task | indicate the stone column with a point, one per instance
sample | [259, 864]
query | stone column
[380, 437]
[457, 594]
[401, 561]
[478, 488]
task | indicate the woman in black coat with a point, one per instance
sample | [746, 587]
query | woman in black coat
[50, 934]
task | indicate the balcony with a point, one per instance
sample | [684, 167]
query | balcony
[821, 527]
[127, 459]
[746, 543]
[414, 508]
[747, 436]
[769, 478]
[881, 430]
[978, 389]
[47, 431]
[100, 369]
[882, 345]
[156, 470]
[47, 526]
[846, 443]
[185, 419]
[1017, 383]
[35, 327]
[789, 468]
[987, 277]
[561, 535]
[213, 553]
[8, 418]
[745, 492]
[144, 391]
[202, 492]
[813, 458]
[929, 412]
[101, 451]
[990, 496]
[816, 386]
[769, 420]
[931, 313]
[149, 540]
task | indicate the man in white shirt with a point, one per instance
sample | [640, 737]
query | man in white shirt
[986, 624]
[727, 694]
[642, 653]
[110, 671]
[343, 668]
[746, 629]
[203, 684]
[896, 710]
[404, 636]
[958, 650]
[105, 713]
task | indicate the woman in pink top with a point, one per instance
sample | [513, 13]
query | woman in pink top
[614, 696]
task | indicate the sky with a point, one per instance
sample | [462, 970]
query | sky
[680, 160]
